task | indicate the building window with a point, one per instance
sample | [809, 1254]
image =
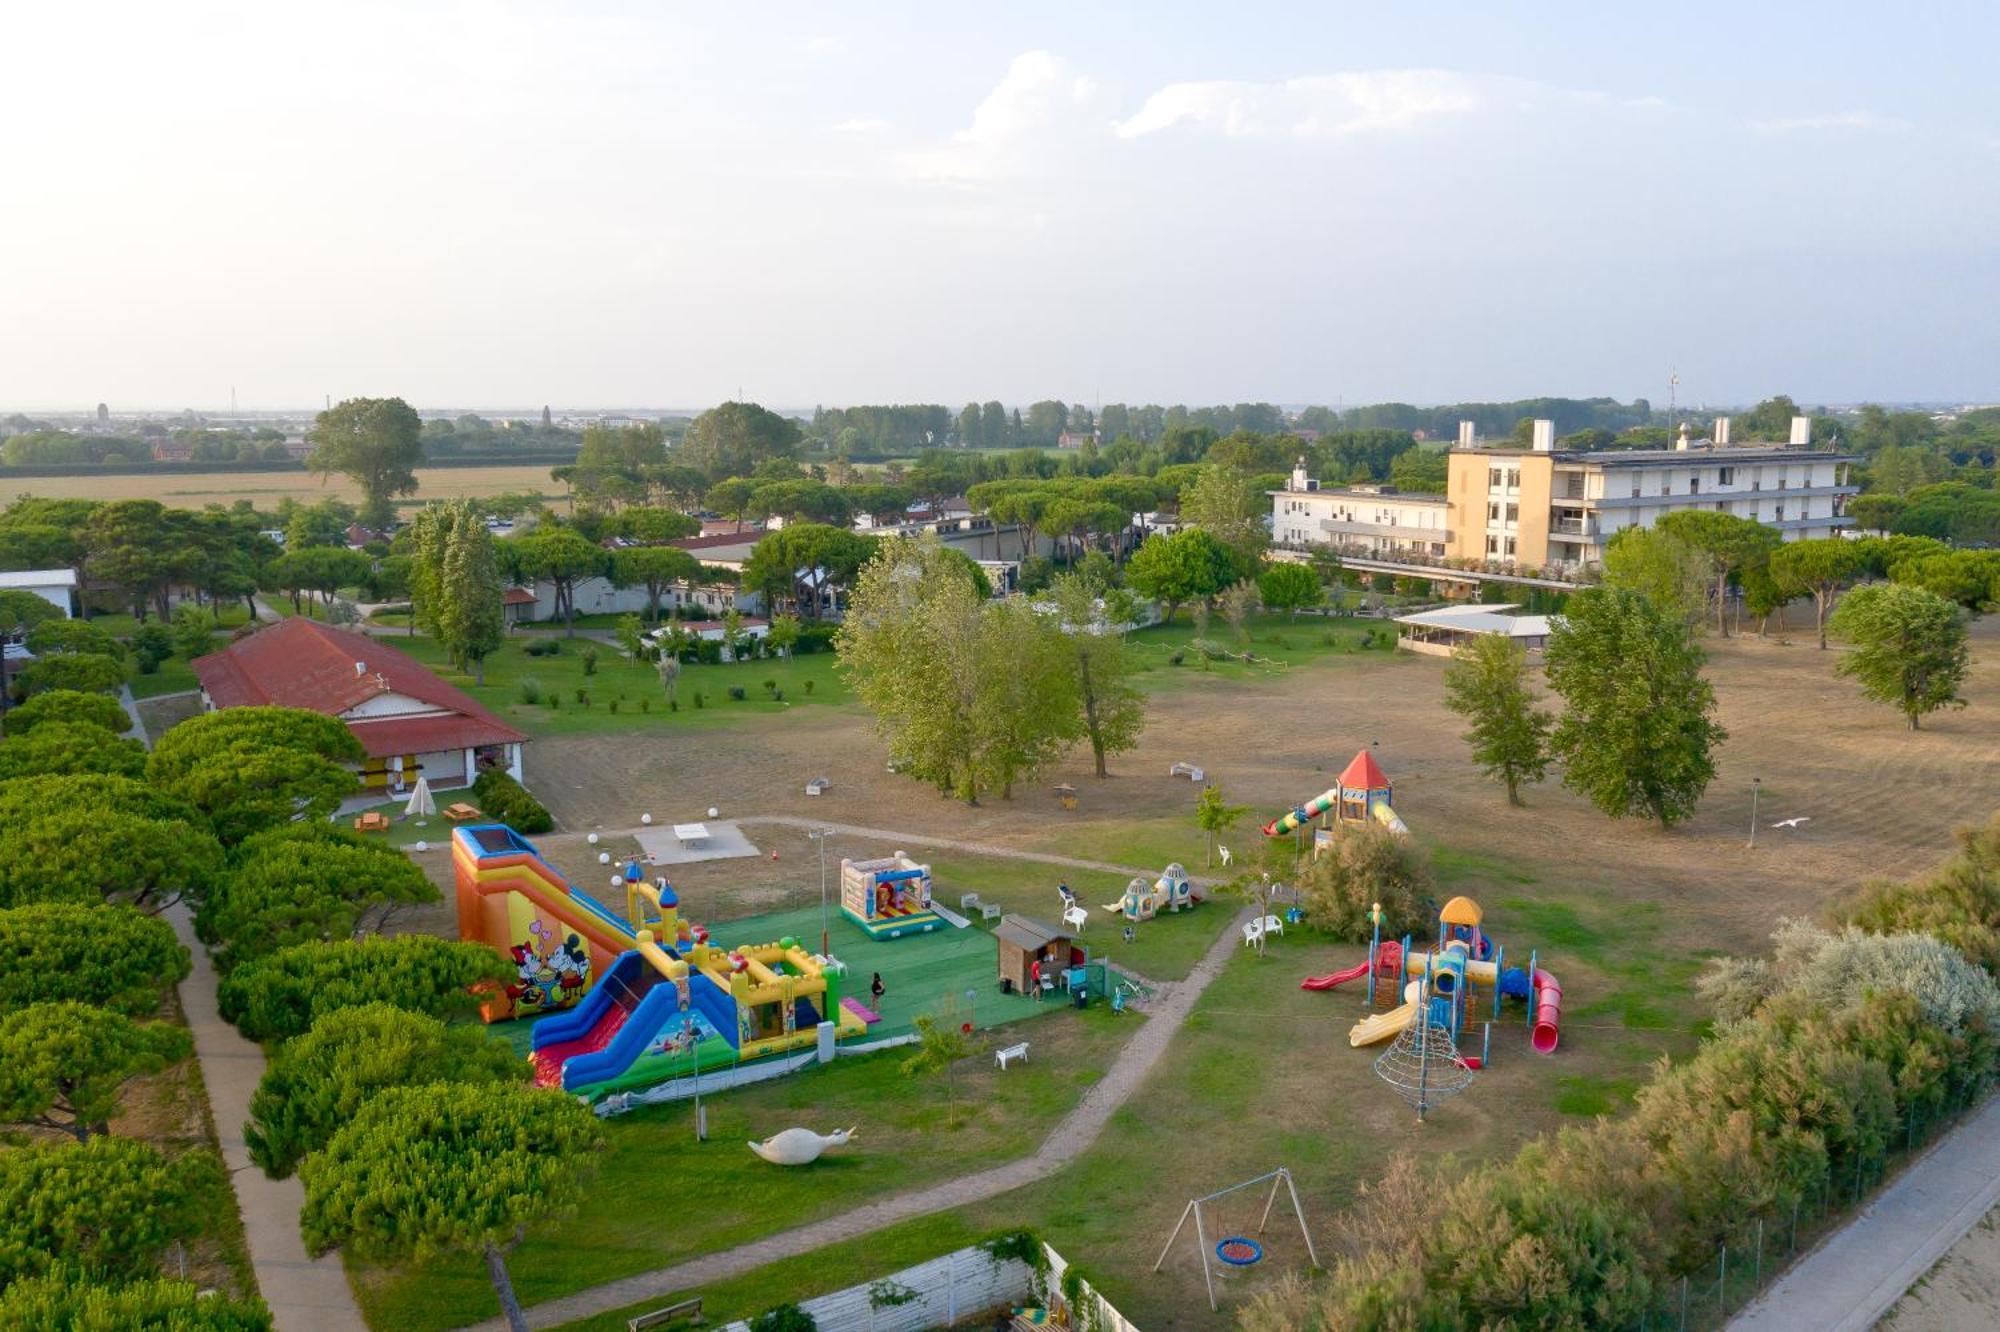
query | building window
[1495, 478]
[1694, 485]
[1492, 544]
[1781, 512]
[1510, 546]
[1513, 513]
[1493, 511]
[1513, 478]
[1727, 476]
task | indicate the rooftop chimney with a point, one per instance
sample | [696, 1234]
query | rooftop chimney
[1721, 431]
[1801, 430]
[1681, 443]
[1545, 436]
[1468, 434]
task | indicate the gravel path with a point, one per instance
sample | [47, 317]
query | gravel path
[305, 1294]
[1076, 1131]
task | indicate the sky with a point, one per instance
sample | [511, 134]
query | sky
[648, 204]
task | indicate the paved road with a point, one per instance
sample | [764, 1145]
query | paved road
[305, 1295]
[1076, 1131]
[1859, 1272]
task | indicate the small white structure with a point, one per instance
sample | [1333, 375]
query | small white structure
[799, 1146]
[55, 586]
[1437, 632]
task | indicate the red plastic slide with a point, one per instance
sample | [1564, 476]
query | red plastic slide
[1548, 1012]
[1333, 978]
[549, 1059]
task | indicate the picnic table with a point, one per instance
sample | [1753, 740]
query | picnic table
[461, 812]
[691, 834]
[373, 821]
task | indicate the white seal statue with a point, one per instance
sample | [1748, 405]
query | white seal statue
[799, 1146]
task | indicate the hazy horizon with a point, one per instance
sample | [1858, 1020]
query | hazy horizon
[614, 203]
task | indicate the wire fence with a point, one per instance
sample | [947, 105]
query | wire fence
[1762, 1244]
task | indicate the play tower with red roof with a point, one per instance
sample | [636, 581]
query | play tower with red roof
[1363, 792]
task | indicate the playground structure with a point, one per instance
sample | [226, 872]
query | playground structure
[647, 997]
[1236, 1250]
[1447, 980]
[1143, 899]
[888, 897]
[1363, 793]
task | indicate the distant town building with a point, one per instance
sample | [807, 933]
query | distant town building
[1075, 439]
[1542, 508]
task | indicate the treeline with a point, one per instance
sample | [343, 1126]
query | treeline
[1843, 1046]
[472, 433]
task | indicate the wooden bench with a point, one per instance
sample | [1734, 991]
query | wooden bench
[461, 812]
[688, 1309]
[1007, 1055]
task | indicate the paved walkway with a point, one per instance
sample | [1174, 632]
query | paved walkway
[1857, 1274]
[305, 1295]
[1076, 1131]
[131, 706]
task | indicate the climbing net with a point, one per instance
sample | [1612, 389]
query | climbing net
[1423, 1066]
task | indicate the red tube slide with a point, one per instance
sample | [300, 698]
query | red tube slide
[1548, 1012]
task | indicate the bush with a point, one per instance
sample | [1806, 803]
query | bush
[612, 706]
[645, 703]
[700, 699]
[814, 638]
[777, 695]
[1177, 659]
[1366, 865]
[808, 686]
[583, 695]
[770, 686]
[589, 659]
[507, 801]
[737, 693]
[151, 644]
[542, 647]
[784, 1318]
[1959, 902]
[528, 689]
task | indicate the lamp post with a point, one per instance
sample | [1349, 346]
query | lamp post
[1756, 785]
[820, 835]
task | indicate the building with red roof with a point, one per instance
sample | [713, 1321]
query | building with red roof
[408, 720]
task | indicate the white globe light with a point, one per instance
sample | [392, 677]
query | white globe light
[593, 839]
[645, 818]
[423, 846]
[604, 857]
[714, 813]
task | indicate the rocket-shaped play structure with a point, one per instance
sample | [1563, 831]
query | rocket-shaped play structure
[1364, 792]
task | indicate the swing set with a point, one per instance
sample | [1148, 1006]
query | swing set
[1237, 1250]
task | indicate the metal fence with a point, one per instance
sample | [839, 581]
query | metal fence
[1762, 1243]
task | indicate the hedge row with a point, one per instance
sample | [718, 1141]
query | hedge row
[505, 800]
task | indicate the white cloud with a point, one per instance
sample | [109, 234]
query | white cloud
[1323, 106]
[861, 125]
[1834, 120]
[1040, 105]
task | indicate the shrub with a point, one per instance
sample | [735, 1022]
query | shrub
[151, 644]
[700, 699]
[542, 647]
[1177, 659]
[770, 686]
[528, 689]
[554, 700]
[777, 695]
[507, 801]
[737, 693]
[784, 1318]
[583, 695]
[589, 659]
[612, 705]
[808, 686]
[1959, 902]
[645, 703]
[1366, 865]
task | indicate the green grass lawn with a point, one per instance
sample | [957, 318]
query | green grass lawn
[1276, 643]
[805, 682]
[659, 1197]
[174, 676]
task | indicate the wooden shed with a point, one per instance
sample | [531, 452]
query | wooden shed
[1023, 939]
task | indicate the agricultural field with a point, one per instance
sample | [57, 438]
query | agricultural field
[187, 490]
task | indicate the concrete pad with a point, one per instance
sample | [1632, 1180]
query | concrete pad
[725, 841]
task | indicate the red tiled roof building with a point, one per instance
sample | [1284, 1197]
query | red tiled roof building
[407, 719]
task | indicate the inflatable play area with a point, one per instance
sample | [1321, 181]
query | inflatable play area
[1462, 974]
[889, 897]
[1363, 793]
[637, 998]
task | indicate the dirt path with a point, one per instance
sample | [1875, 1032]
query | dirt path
[1859, 1272]
[1075, 1132]
[947, 843]
[305, 1294]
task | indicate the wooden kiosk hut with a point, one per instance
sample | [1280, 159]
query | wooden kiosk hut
[1024, 940]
